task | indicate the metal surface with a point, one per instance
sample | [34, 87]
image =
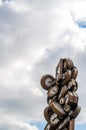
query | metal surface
[71, 124]
[62, 100]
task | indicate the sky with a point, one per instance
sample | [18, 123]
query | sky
[34, 35]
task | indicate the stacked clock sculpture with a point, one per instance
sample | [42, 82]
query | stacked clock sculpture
[62, 98]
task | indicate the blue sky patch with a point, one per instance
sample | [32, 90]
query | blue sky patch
[80, 127]
[39, 125]
[81, 24]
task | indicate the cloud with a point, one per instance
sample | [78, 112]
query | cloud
[12, 123]
[24, 33]
[78, 10]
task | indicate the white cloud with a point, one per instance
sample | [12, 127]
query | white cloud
[19, 7]
[78, 9]
[11, 122]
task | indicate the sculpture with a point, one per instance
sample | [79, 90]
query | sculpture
[62, 98]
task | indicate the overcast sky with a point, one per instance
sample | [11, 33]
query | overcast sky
[34, 35]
